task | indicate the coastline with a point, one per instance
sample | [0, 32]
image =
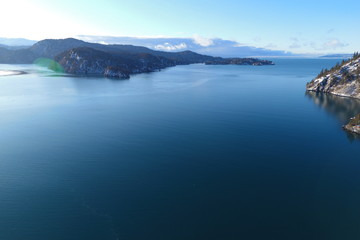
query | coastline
[332, 93]
[353, 125]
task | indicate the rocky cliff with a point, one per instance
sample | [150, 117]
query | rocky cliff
[88, 61]
[343, 79]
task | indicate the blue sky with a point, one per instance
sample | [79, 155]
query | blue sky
[296, 26]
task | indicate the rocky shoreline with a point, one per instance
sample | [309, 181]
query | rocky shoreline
[354, 125]
[240, 61]
[342, 80]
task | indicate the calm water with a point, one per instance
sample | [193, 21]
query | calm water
[192, 152]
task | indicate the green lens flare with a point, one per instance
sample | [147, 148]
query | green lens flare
[50, 64]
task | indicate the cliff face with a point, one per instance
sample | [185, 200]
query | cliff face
[88, 61]
[342, 80]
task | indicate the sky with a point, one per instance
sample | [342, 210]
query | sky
[296, 26]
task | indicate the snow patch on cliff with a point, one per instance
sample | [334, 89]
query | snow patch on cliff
[342, 80]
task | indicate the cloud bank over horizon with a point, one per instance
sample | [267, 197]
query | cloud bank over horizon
[209, 46]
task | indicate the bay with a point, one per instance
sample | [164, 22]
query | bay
[191, 152]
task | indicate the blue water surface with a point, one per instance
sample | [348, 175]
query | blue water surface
[191, 152]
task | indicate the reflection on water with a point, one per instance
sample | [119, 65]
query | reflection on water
[342, 108]
[4, 73]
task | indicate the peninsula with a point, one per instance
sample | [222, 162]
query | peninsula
[78, 57]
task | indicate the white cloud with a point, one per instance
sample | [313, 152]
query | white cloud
[103, 42]
[236, 44]
[295, 43]
[257, 39]
[270, 46]
[202, 41]
[220, 47]
[170, 47]
[334, 44]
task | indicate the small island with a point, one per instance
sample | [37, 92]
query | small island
[353, 125]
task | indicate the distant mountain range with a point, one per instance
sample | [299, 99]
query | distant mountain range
[13, 42]
[214, 47]
[339, 55]
[80, 57]
[12, 47]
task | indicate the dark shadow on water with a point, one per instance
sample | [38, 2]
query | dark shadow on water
[85, 76]
[352, 136]
[342, 108]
